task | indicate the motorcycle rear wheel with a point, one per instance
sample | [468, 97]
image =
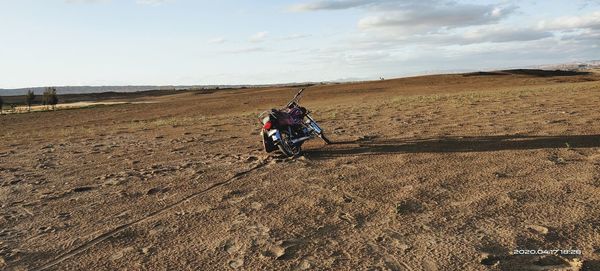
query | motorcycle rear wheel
[285, 146]
[267, 142]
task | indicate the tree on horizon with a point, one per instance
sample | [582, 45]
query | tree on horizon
[29, 98]
[50, 98]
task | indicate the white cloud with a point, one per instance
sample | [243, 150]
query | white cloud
[473, 35]
[583, 36]
[419, 18]
[218, 40]
[591, 20]
[437, 33]
[246, 50]
[415, 16]
[334, 5]
[295, 37]
[151, 2]
[259, 37]
[502, 34]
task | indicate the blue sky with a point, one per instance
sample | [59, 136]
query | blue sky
[184, 42]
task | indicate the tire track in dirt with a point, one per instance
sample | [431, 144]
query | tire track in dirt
[108, 234]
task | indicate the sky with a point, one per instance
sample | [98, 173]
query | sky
[185, 42]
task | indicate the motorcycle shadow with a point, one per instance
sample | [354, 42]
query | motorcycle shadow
[384, 146]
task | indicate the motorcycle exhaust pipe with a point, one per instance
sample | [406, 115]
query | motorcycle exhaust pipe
[298, 140]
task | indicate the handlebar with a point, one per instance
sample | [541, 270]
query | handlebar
[296, 98]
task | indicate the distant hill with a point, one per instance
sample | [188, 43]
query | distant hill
[96, 89]
[62, 90]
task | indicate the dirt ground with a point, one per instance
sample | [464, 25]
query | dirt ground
[446, 172]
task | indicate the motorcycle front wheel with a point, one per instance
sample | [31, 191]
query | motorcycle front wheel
[287, 147]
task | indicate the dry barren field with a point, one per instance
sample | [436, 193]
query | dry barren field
[446, 172]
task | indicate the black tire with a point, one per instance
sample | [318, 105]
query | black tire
[327, 141]
[267, 142]
[287, 149]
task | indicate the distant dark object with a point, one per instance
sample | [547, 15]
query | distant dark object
[530, 72]
[1, 104]
[484, 73]
[381, 78]
[29, 98]
[546, 73]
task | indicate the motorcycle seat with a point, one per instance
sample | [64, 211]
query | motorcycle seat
[293, 117]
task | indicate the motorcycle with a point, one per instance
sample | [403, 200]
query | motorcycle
[288, 128]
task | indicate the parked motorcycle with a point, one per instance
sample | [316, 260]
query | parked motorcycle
[288, 128]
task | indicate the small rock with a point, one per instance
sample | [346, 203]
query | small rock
[256, 205]
[231, 247]
[251, 159]
[489, 260]
[304, 265]
[276, 251]
[236, 263]
[156, 190]
[147, 250]
[401, 246]
[537, 229]
[500, 175]
[46, 229]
